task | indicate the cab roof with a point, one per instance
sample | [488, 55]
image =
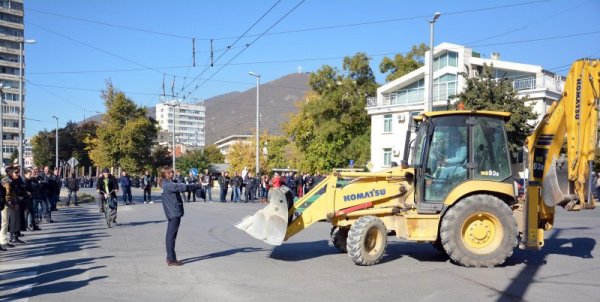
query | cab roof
[505, 115]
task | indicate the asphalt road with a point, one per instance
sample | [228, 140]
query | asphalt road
[79, 259]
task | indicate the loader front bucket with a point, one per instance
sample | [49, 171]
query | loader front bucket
[270, 223]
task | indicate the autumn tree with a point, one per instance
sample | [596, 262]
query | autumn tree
[213, 154]
[42, 146]
[332, 125]
[125, 135]
[192, 159]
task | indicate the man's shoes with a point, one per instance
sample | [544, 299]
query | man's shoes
[2, 249]
[145, 202]
[151, 201]
[37, 228]
[174, 263]
[6, 246]
[17, 240]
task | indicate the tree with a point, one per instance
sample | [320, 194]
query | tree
[276, 152]
[14, 156]
[243, 155]
[160, 157]
[125, 136]
[332, 126]
[42, 146]
[485, 92]
[402, 65]
[193, 159]
[213, 154]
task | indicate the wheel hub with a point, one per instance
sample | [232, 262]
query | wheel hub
[481, 231]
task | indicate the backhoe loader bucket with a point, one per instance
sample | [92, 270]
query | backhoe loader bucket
[270, 223]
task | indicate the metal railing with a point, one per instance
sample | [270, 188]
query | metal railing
[524, 84]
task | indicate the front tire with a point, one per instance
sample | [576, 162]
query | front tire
[479, 230]
[367, 240]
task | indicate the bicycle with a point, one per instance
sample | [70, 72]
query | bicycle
[110, 208]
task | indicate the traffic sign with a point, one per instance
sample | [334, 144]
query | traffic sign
[73, 162]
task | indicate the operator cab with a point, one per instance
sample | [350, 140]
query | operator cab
[453, 147]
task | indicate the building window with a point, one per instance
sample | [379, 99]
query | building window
[447, 59]
[387, 157]
[413, 93]
[387, 123]
[444, 87]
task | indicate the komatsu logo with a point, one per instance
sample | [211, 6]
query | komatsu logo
[368, 194]
[578, 99]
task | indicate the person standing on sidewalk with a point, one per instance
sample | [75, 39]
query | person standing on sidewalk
[173, 206]
[57, 186]
[147, 181]
[223, 185]
[207, 182]
[73, 187]
[125, 184]
[191, 180]
[12, 220]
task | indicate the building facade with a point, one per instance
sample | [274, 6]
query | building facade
[11, 35]
[399, 100]
[189, 122]
[225, 144]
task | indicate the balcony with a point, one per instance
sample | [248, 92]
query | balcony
[12, 11]
[545, 82]
[371, 101]
[8, 50]
[13, 25]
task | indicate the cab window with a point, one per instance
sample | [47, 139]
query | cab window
[490, 150]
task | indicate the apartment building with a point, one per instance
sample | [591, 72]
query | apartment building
[189, 122]
[399, 100]
[11, 36]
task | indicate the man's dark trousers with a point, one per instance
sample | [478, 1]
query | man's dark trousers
[172, 228]
[127, 199]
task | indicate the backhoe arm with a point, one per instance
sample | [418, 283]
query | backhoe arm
[574, 117]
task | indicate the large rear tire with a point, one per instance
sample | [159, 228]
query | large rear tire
[367, 240]
[479, 230]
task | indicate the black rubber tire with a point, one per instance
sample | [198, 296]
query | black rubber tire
[339, 238]
[367, 240]
[453, 222]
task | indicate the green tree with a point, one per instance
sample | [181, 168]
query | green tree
[14, 156]
[42, 145]
[160, 157]
[213, 154]
[401, 65]
[485, 92]
[332, 126]
[193, 159]
[276, 152]
[125, 135]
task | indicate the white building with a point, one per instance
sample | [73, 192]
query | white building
[189, 123]
[404, 97]
[225, 144]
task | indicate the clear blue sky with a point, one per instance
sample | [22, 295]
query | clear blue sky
[72, 58]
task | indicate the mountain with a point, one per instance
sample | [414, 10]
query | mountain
[235, 113]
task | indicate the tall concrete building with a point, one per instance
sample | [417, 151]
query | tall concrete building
[11, 35]
[189, 123]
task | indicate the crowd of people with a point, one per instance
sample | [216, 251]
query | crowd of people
[26, 200]
[246, 187]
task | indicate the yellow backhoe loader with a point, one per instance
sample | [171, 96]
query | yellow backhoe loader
[457, 191]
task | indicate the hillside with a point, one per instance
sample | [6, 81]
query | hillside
[235, 113]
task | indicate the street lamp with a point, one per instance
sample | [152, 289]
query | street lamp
[56, 147]
[2, 125]
[257, 76]
[431, 25]
[175, 104]
[21, 46]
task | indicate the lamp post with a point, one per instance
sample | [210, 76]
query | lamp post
[431, 25]
[175, 104]
[2, 127]
[21, 46]
[257, 76]
[56, 147]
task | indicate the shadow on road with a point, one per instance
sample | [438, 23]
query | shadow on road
[75, 230]
[137, 223]
[303, 250]
[580, 247]
[222, 254]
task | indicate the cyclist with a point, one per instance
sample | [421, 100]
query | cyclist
[107, 184]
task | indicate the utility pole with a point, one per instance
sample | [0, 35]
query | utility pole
[173, 105]
[21, 46]
[257, 76]
[431, 25]
[2, 127]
